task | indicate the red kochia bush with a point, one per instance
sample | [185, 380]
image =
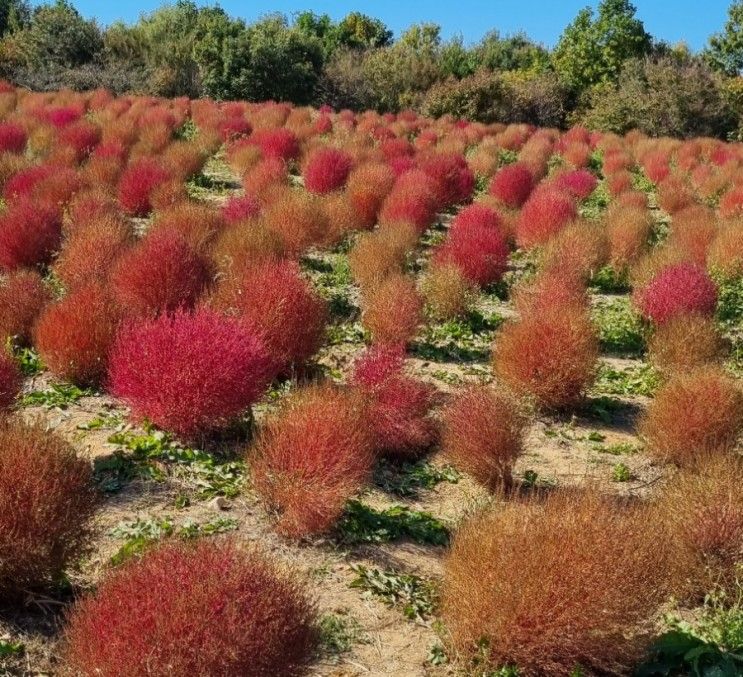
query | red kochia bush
[399, 406]
[204, 608]
[30, 232]
[12, 138]
[476, 245]
[240, 208]
[483, 434]
[22, 296]
[273, 299]
[454, 178]
[311, 457]
[580, 183]
[74, 335]
[549, 355]
[543, 215]
[161, 273]
[46, 502]
[10, 380]
[392, 310]
[137, 183]
[188, 373]
[677, 289]
[326, 170]
[512, 185]
[409, 203]
[276, 143]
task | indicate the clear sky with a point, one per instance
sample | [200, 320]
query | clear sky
[691, 21]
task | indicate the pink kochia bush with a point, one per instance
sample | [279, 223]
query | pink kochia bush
[137, 184]
[188, 373]
[399, 406]
[476, 245]
[30, 232]
[678, 289]
[327, 169]
[10, 381]
[543, 215]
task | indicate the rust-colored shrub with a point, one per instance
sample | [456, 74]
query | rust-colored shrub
[197, 224]
[10, 380]
[89, 254]
[570, 581]
[22, 296]
[240, 208]
[273, 299]
[398, 406]
[392, 310]
[628, 230]
[579, 183]
[311, 457]
[203, 608]
[74, 335]
[696, 413]
[483, 434]
[278, 143]
[447, 292]
[543, 215]
[297, 217]
[704, 511]
[674, 195]
[453, 177]
[266, 174]
[341, 216]
[580, 249]
[412, 202]
[549, 355]
[684, 343]
[161, 273]
[677, 290]
[381, 253]
[244, 244]
[549, 290]
[30, 232]
[46, 502]
[726, 251]
[87, 208]
[188, 373]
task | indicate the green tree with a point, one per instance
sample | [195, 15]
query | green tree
[57, 36]
[359, 31]
[511, 53]
[725, 49]
[594, 49]
[456, 59]
[14, 15]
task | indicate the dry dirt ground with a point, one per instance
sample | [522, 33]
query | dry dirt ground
[364, 634]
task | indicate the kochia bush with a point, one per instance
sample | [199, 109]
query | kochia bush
[204, 608]
[10, 380]
[512, 185]
[22, 296]
[326, 170]
[543, 215]
[30, 232]
[189, 373]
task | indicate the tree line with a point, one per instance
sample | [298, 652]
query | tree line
[606, 71]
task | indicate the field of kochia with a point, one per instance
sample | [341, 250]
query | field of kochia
[291, 391]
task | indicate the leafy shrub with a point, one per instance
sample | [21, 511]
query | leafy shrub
[137, 183]
[543, 215]
[676, 290]
[10, 381]
[398, 406]
[267, 174]
[392, 310]
[22, 296]
[194, 609]
[46, 502]
[696, 413]
[311, 457]
[159, 274]
[550, 356]
[30, 232]
[326, 170]
[188, 373]
[74, 335]
[512, 185]
[684, 343]
[273, 300]
[483, 434]
[558, 585]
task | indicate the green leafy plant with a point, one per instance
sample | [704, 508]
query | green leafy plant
[729, 300]
[11, 649]
[462, 340]
[338, 634]
[363, 524]
[619, 327]
[58, 395]
[28, 359]
[415, 595]
[408, 479]
[610, 281]
[642, 380]
[621, 473]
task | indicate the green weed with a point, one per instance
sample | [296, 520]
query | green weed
[414, 595]
[642, 380]
[408, 479]
[58, 395]
[619, 327]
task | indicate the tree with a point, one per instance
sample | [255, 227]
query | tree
[14, 15]
[511, 53]
[57, 36]
[359, 31]
[591, 50]
[725, 50]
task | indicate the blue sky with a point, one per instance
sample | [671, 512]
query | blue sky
[690, 21]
